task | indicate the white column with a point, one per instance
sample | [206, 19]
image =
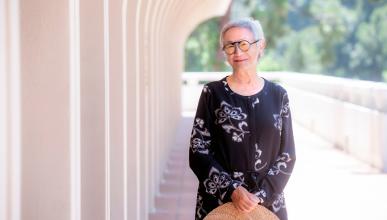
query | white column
[117, 119]
[106, 30]
[3, 115]
[160, 30]
[94, 127]
[45, 112]
[154, 145]
[143, 71]
[132, 110]
[75, 110]
[124, 60]
[9, 111]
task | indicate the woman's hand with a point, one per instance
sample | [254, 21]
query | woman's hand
[243, 200]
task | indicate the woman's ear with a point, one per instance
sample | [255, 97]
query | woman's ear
[262, 44]
[261, 48]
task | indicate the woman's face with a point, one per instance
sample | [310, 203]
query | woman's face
[240, 60]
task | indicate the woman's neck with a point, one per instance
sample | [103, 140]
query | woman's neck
[245, 77]
[245, 83]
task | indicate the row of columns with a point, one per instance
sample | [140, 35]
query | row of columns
[89, 103]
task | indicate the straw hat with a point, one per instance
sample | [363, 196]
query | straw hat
[227, 211]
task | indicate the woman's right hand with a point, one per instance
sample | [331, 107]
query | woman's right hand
[243, 200]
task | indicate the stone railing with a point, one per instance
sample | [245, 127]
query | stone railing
[351, 114]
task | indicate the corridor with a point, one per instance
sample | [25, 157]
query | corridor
[91, 95]
[326, 183]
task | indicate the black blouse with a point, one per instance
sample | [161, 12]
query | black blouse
[242, 140]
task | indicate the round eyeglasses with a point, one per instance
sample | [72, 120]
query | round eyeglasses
[243, 45]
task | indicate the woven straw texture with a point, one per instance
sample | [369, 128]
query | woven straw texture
[229, 212]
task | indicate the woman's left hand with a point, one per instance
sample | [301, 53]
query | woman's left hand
[243, 200]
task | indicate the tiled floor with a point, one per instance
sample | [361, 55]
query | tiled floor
[326, 183]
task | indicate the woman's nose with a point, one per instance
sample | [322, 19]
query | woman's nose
[237, 50]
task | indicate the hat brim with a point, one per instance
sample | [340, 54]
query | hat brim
[228, 211]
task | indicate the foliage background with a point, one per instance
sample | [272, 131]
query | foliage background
[346, 38]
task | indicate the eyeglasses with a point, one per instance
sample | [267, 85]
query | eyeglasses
[243, 45]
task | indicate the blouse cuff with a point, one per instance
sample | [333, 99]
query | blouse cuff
[261, 194]
[234, 184]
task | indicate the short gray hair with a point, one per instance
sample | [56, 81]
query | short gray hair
[249, 23]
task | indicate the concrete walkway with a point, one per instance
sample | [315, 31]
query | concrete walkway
[326, 183]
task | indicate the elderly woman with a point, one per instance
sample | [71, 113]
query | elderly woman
[241, 146]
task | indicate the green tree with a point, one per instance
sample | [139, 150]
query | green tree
[369, 54]
[202, 46]
[337, 37]
[271, 14]
[333, 21]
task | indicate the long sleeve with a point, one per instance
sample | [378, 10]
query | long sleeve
[270, 188]
[209, 172]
